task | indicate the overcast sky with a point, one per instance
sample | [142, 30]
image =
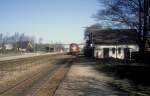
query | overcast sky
[53, 20]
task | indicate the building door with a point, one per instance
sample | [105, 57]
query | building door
[126, 53]
[106, 52]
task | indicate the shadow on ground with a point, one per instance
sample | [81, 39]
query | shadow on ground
[81, 59]
[136, 75]
[83, 80]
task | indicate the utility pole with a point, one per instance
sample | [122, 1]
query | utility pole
[49, 48]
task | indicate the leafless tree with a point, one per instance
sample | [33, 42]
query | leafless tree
[1, 39]
[18, 40]
[88, 32]
[121, 11]
[129, 13]
[40, 40]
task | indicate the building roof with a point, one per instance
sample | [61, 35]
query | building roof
[25, 44]
[115, 36]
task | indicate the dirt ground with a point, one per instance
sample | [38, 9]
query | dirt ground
[41, 68]
[84, 80]
[80, 78]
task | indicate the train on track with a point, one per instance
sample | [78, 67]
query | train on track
[74, 49]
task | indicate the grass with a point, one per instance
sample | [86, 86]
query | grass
[132, 78]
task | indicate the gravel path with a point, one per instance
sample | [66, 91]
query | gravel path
[83, 80]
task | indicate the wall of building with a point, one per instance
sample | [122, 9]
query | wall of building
[99, 52]
[8, 46]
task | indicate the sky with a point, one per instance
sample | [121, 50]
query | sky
[53, 20]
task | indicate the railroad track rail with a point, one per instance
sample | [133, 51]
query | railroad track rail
[10, 66]
[43, 82]
[26, 60]
[50, 87]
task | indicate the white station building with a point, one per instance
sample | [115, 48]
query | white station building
[114, 43]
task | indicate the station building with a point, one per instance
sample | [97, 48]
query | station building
[114, 43]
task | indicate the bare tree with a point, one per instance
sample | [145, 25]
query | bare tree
[5, 39]
[88, 32]
[18, 40]
[121, 11]
[1, 39]
[90, 28]
[40, 40]
[1, 42]
[129, 13]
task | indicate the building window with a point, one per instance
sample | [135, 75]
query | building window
[113, 50]
[119, 50]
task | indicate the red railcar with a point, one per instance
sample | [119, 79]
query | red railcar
[74, 49]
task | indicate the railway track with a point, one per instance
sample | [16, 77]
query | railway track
[10, 66]
[24, 60]
[42, 83]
